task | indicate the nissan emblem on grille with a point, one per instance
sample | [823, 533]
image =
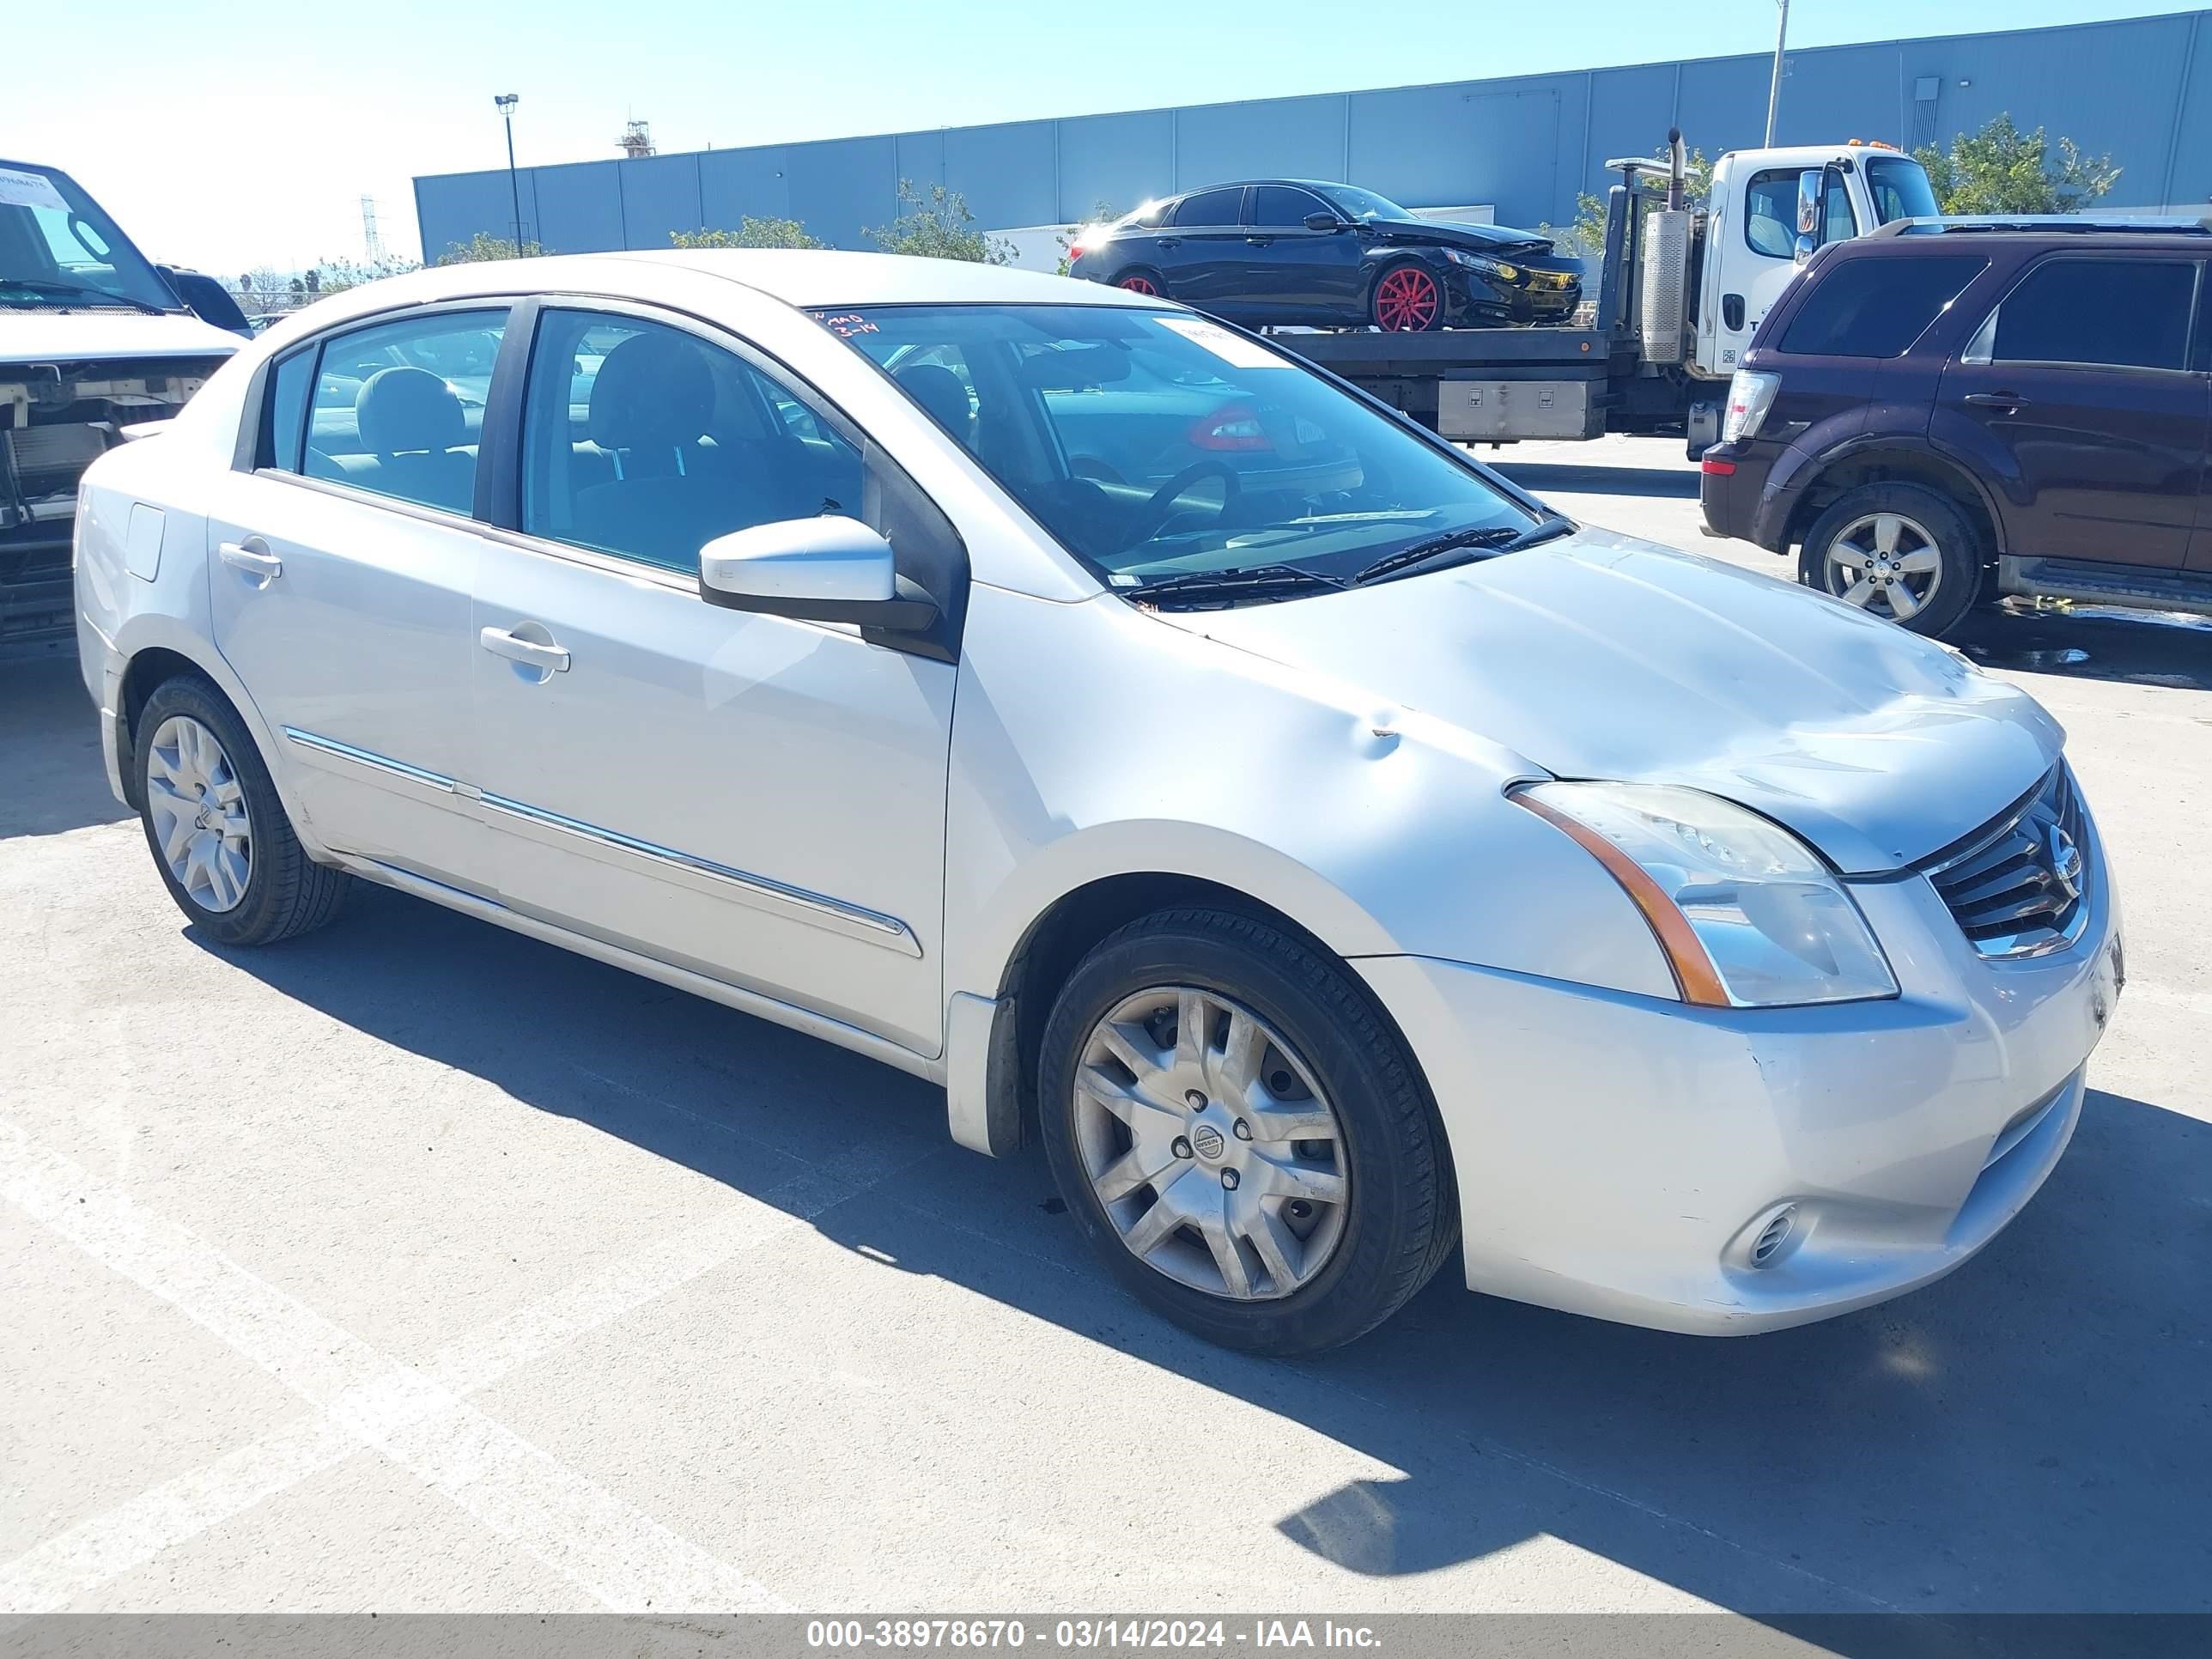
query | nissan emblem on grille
[2017, 885]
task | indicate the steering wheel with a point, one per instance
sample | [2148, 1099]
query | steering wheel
[1153, 516]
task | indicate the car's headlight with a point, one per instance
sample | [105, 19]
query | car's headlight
[1747, 914]
[1497, 267]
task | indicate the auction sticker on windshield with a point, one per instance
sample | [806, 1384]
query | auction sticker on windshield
[35, 189]
[1232, 348]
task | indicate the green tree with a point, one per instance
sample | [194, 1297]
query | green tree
[1102, 213]
[1585, 238]
[336, 276]
[2001, 169]
[751, 233]
[936, 224]
[482, 246]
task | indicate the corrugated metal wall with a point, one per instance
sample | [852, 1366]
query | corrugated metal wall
[2141, 89]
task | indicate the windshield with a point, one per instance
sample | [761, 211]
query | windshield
[57, 247]
[1154, 444]
[1901, 190]
[1357, 203]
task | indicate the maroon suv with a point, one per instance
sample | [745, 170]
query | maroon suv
[1944, 413]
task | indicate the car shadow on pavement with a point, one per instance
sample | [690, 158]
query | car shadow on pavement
[2093, 643]
[50, 751]
[2034, 1432]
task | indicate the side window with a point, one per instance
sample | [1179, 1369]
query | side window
[1281, 206]
[398, 408]
[1770, 213]
[1211, 207]
[647, 441]
[284, 421]
[1837, 222]
[2126, 313]
[1877, 307]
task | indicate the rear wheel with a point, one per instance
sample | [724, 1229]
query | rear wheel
[1407, 298]
[1900, 551]
[1139, 282]
[217, 832]
[1240, 1137]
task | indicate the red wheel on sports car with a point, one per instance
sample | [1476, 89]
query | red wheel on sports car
[1137, 283]
[1408, 300]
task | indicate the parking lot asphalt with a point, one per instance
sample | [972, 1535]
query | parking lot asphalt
[415, 1265]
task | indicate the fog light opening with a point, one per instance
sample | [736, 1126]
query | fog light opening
[1767, 1247]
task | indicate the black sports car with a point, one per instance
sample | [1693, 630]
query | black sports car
[1290, 251]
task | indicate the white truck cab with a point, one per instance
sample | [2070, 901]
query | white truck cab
[1769, 209]
[94, 338]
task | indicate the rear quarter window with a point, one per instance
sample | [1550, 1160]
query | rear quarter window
[1875, 307]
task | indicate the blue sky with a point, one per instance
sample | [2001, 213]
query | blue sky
[230, 136]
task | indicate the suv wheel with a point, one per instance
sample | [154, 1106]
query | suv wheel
[219, 836]
[1902, 551]
[1240, 1137]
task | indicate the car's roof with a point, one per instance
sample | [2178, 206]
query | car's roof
[797, 276]
[2033, 233]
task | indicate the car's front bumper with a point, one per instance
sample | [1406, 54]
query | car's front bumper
[1616, 1155]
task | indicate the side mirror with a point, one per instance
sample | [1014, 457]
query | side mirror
[830, 568]
[1323, 222]
[1808, 214]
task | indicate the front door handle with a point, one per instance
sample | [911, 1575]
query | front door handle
[553, 658]
[1261, 241]
[252, 558]
[2003, 400]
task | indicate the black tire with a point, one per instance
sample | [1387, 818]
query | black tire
[1142, 279]
[1962, 551]
[286, 893]
[1401, 1215]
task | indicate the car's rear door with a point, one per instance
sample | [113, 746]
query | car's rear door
[752, 798]
[2077, 393]
[341, 566]
[2200, 548]
[1299, 275]
[1205, 259]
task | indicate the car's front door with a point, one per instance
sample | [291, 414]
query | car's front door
[1300, 275]
[758, 799]
[1204, 256]
[2077, 392]
[341, 567]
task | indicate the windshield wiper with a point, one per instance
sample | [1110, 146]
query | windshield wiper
[83, 291]
[1232, 586]
[1461, 547]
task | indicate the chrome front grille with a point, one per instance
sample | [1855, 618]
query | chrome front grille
[2018, 887]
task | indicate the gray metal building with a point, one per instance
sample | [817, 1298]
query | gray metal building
[2139, 88]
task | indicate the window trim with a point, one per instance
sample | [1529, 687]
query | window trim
[1981, 353]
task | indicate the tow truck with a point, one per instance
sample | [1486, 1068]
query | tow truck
[1680, 290]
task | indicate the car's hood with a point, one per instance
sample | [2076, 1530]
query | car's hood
[75, 336]
[1600, 656]
[1449, 233]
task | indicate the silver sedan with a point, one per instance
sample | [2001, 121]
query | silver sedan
[1331, 855]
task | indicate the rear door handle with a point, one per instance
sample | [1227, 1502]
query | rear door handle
[553, 658]
[1995, 400]
[1169, 241]
[1261, 241]
[252, 558]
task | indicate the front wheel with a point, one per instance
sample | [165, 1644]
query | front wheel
[1240, 1137]
[1900, 551]
[1407, 298]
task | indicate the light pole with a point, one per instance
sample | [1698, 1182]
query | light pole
[507, 100]
[1774, 85]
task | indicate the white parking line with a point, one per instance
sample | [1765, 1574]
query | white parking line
[416, 1417]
